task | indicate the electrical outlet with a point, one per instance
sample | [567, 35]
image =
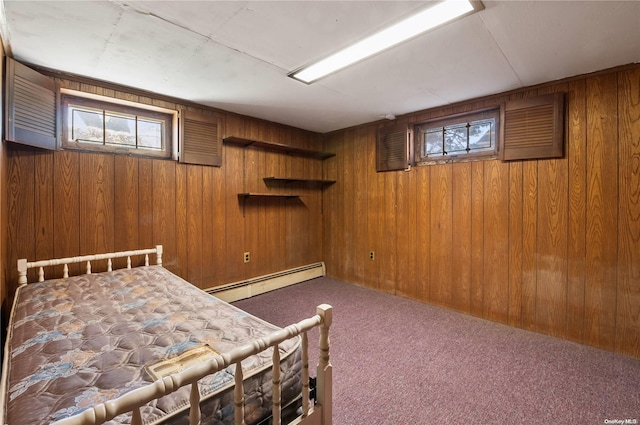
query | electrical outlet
[372, 255]
[247, 257]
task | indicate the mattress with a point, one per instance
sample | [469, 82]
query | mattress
[77, 342]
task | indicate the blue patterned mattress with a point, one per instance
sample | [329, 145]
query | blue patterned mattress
[73, 343]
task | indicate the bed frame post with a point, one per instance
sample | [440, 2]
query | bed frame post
[159, 255]
[22, 272]
[324, 372]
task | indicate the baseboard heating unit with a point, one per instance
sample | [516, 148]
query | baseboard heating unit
[261, 284]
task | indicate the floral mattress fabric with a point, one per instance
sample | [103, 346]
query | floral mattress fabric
[84, 340]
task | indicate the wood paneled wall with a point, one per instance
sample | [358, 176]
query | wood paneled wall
[551, 246]
[69, 203]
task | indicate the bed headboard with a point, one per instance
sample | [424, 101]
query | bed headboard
[24, 265]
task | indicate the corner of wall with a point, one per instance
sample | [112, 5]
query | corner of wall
[4, 298]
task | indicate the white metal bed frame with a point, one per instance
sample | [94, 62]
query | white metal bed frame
[318, 414]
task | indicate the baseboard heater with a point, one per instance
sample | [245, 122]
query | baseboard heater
[261, 284]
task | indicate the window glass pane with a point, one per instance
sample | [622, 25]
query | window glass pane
[433, 142]
[120, 130]
[150, 134]
[455, 138]
[482, 134]
[86, 126]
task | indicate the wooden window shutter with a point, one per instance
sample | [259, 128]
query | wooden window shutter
[200, 139]
[393, 148]
[533, 128]
[31, 109]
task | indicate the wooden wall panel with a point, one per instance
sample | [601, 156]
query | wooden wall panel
[551, 278]
[234, 208]
[423, 234]
[164, 211]
[576, 153]
[441, 232]
[477, 238]
[602, 214]
[387, 261]
[547, 245]
[361, 182]
[515, 243]
[461, 241]
[125, 211]
[145, 203]
[406, 236]
[346, 178]
[66, 204]
[496, 242]
[97, 205]
[372, 217]
[219, 235]
[628, 290]
[182, 217]
[21, 221]
[195, 225]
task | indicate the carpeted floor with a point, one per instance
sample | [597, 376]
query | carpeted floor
[400, 362]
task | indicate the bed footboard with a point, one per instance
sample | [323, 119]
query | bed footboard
[319, 414]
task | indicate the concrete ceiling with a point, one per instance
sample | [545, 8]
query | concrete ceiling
[235, 55]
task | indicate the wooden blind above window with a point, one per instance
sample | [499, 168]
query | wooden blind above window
[392, 148]
[533, 128]
[200, 141]
[32, 102]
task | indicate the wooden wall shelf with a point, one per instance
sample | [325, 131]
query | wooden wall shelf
[246, 195]
[234, 140]
[292, 180]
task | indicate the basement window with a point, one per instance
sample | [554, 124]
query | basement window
[461, 137]
[96, 124]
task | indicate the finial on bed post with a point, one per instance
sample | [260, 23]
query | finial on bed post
[22, 272]
[324, 373]
[159, 255]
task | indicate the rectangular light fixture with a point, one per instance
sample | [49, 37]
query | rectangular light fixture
[403, 30]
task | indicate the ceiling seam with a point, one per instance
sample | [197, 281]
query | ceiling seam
[486, 27]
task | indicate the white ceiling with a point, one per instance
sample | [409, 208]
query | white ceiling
[235, 55]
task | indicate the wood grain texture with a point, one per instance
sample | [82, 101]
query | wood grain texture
[576, 151]
[406, 235]
[602, 213]
[182, 217]
[441, 231]
[477, 238]
[346, 177]
[44, 212]
[360, 179]
[627, 339]
[388, 247]
[20, 217]
[97, 205]
[126, 213]
[195, 227]
[423, 234]
[219, 235]
[372, 217]
[496, 242]
[164, 211]
[66, 204]
[515, 243]
[461, 241]
[234, 209]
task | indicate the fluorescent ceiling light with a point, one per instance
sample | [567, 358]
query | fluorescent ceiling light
[404, 30]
